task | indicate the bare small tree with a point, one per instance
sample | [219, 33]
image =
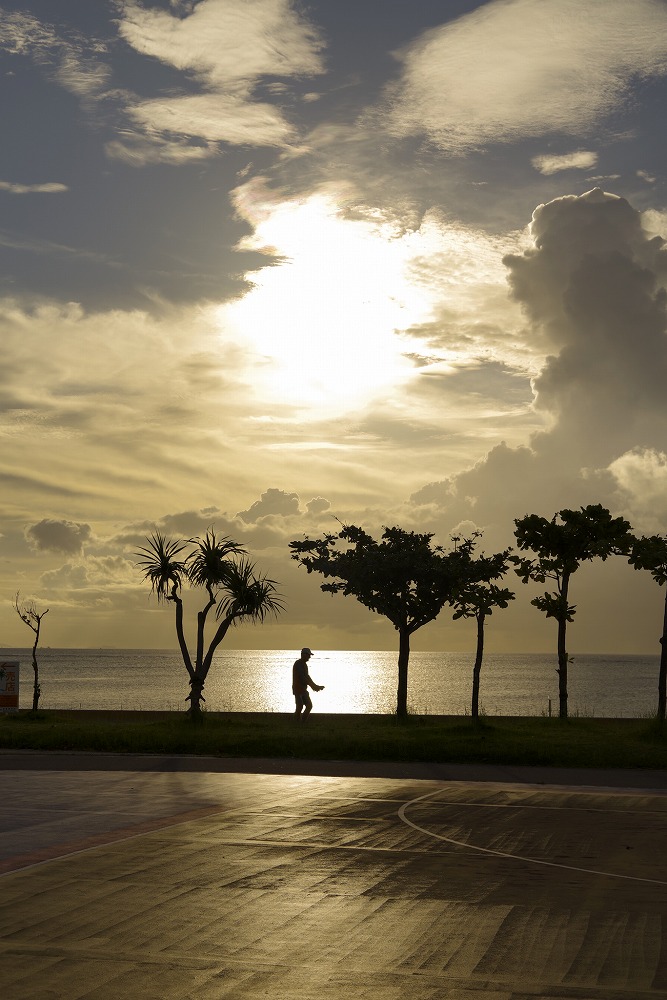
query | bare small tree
[28, 613]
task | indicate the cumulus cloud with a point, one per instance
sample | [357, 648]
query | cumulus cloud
[226, 49]
[317, 505]
[593, 285]
[641, 475]
[519, 68]
[70, 576]
[548, 164]
[59, 536]
[592, 288]
[273, 502]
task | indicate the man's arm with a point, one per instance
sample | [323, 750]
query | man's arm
[311, 683]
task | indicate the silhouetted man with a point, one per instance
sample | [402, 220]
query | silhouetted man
[301, 681]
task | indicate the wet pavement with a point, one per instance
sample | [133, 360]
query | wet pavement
[146, 878]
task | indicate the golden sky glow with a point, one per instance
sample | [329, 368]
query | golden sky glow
[324, 321]
[399, 268]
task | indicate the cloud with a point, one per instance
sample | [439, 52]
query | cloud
[592, 288]
[49, 188]
[213, 117]
[59, 536]
[67, 577]
[22, 33]
[138, 151]
[641, 475]
[225, 50]
[317, 505]
[548, 165]
[273, 502]
[518, 68]
[73, 62]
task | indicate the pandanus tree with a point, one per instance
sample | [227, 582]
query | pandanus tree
[220, 567]
[32, 617]
[650, 553]
[560, 545]
[402, 577]
[477, 600]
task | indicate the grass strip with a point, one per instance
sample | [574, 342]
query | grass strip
[577, 742]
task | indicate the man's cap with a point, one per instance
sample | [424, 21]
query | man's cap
[306, 652]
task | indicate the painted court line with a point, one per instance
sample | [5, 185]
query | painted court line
[503, 854]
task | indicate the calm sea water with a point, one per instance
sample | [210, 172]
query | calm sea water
[358, 682]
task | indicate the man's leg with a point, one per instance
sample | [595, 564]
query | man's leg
[307, 705]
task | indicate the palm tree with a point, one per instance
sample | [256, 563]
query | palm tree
[220, 567]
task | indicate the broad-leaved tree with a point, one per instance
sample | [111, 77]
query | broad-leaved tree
[650, 553]
[560, 545]
[402, 577]
[477, 600]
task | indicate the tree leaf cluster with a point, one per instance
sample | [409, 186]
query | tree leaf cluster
[402, 576]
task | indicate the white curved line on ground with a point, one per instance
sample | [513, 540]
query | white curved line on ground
[503, 854]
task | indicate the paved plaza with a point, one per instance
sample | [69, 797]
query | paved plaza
[175, 883]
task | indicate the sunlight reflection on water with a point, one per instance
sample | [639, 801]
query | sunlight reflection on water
[355, 682]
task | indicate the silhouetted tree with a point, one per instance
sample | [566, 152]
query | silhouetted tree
[561, 545]
[650, 553]
[477, 600]
[28, 613]
[403, 577]
[219, 566]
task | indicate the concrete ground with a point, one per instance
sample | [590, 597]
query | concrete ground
[130, 878]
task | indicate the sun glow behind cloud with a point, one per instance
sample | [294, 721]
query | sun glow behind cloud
[326, 323]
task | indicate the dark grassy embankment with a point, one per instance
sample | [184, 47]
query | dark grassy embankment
[577, 742]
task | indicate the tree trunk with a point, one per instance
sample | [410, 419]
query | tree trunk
[403, 659]
[196, 697]
[178, 607]
[662, 679]
[477, 669]
[562, 652]
[36, 689]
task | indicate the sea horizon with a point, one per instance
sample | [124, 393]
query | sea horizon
[355, 681]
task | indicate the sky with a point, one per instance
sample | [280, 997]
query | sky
[265, 264]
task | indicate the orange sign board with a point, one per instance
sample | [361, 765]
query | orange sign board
[9, 685]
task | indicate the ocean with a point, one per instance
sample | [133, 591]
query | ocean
[600, 685]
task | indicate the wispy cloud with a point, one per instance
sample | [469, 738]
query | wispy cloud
[73, 62]
[551, 164]
[517, 68]
[22, 33]
[49, 188]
